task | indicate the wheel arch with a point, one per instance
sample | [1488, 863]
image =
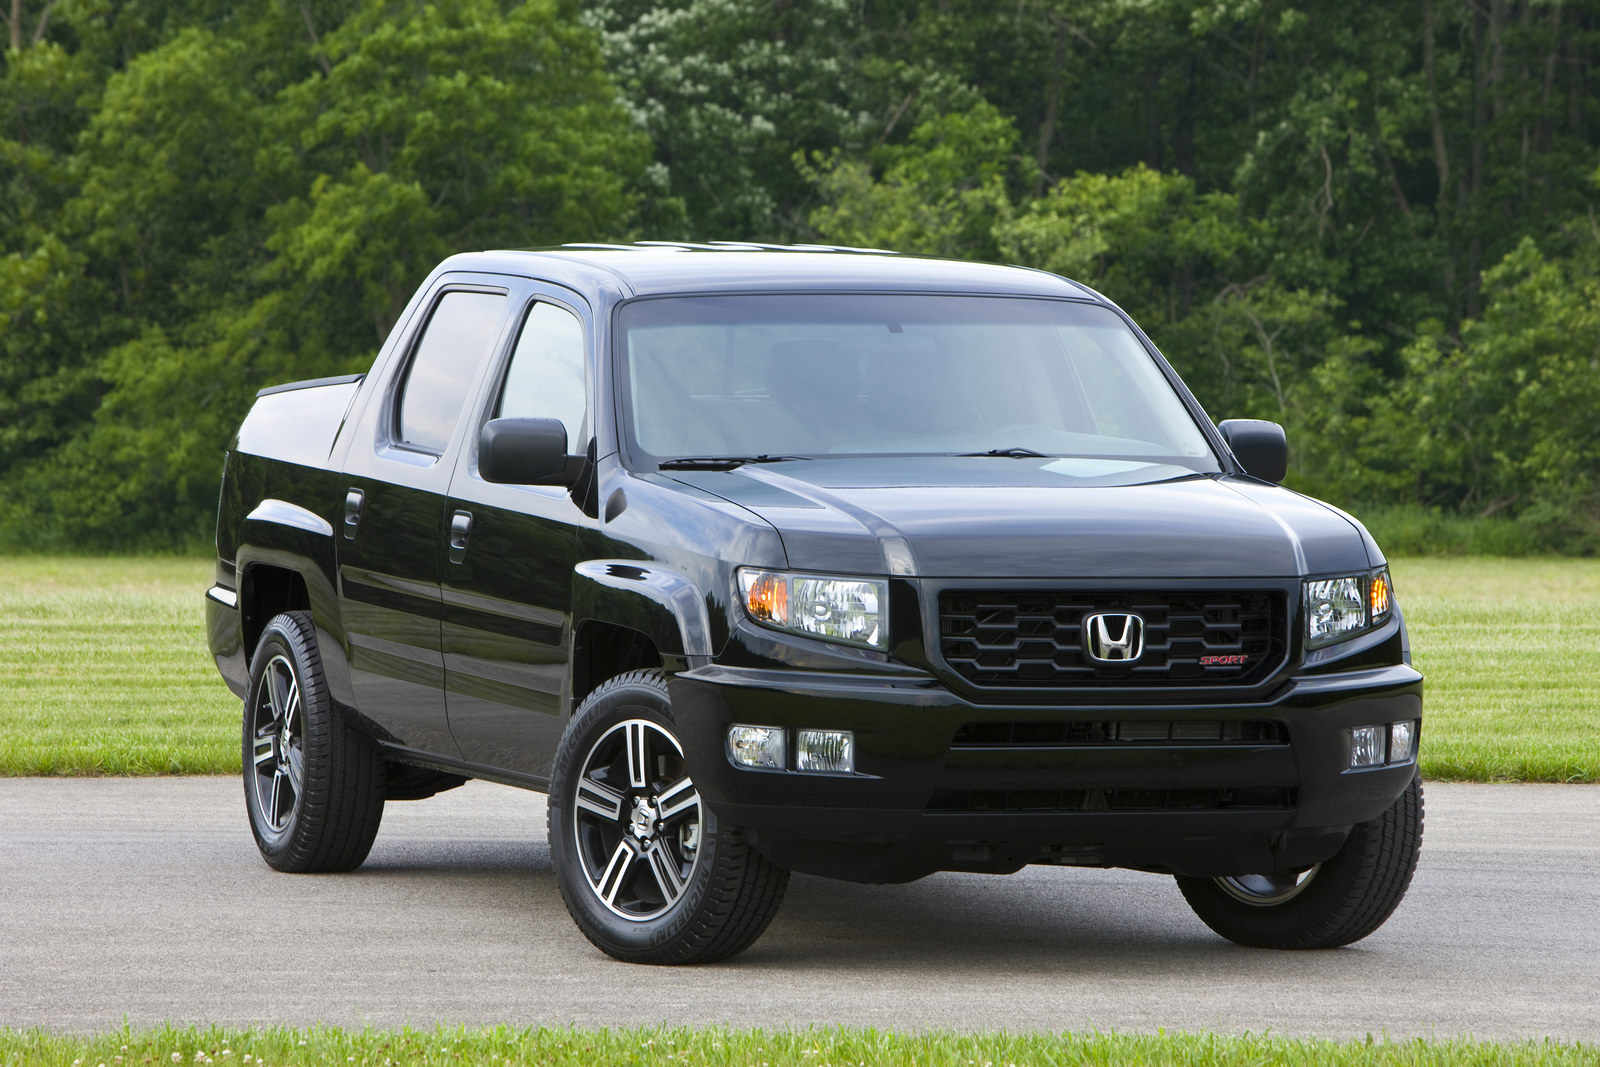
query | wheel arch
[629, 615]
[284, 563]
[602, 650]
[266, 590]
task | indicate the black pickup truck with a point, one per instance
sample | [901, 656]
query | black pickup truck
[760, 560]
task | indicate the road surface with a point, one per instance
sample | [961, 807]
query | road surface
[145, 899]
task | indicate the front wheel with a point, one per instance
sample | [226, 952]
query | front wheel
[1336, 902]
[644, 868]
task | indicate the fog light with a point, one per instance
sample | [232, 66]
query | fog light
[1402, 741]
[826, 750]
[757, 746]
[1366, 746]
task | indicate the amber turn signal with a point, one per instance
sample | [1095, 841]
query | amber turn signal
[767, 599]
[1380, 595]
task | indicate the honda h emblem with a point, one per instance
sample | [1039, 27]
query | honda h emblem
[1113, 638]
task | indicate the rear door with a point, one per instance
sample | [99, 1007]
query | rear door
[507, 582]
[396, 478]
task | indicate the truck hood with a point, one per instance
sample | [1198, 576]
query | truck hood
[991, 517]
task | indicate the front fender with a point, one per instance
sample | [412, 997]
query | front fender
[664, 605]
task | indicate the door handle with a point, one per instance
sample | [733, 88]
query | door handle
[460, 530]
[353, 501]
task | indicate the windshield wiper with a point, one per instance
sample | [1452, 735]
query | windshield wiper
[718, 463]
[1009, 453]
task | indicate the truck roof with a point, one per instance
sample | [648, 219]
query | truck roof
[656, 267]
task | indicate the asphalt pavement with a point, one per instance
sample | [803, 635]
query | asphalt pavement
[145, 900]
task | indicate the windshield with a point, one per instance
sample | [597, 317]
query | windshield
[818, 375]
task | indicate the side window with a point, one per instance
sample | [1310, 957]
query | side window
[453, 346]
[545, 380]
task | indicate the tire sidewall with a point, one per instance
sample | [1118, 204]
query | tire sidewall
[1342, 884]
[1330, 888]
[285, 635]
[628, 697]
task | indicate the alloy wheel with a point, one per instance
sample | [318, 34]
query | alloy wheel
[278, 744]
[637, 820]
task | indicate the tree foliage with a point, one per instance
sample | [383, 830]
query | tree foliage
[1507, 406]
[1372, 222]
[251, 198]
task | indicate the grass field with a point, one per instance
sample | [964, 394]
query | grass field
[274, 1047]
[104, 670]
[1511, 651]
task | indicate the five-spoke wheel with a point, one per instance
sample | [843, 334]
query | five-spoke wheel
[636, 820]
[279, 756]
[644, 868]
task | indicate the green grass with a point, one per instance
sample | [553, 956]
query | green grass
[277, 1047]
[1511, 651]
[104, 669]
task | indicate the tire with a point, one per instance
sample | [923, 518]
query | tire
[645, 870]
[313, 786]
[1334, 903]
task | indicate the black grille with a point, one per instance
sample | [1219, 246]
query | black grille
[1198, 732]
[1061, 800]
[1035, 638]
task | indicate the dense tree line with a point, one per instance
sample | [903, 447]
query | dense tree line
[1372, 221]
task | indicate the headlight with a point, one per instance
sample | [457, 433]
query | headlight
[854, 611]
[1340, 608]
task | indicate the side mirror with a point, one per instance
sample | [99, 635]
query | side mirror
[522, 451]
[1260, 447]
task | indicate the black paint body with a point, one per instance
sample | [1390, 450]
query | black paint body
[469, 657]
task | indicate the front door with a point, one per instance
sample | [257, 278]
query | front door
[507, 582]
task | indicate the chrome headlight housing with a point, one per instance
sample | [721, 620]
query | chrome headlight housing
[1340, 608]
[850, 611]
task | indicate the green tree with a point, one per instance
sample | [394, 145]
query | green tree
[1505, 417]
[255, 201]
[731, 90]
[942, 193]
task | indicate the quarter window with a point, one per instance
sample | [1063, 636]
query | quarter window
[545, 380]
[453, 346]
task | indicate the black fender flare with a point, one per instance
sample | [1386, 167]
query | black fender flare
[664, 605]
[288, 537]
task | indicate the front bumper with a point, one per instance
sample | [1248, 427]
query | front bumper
[923, 799]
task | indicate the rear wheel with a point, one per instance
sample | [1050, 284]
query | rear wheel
[1334, 903]
[313, 786]
[645, 869]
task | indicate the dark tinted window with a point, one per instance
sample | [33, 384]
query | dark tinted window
[545, 380]
[453, 347]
